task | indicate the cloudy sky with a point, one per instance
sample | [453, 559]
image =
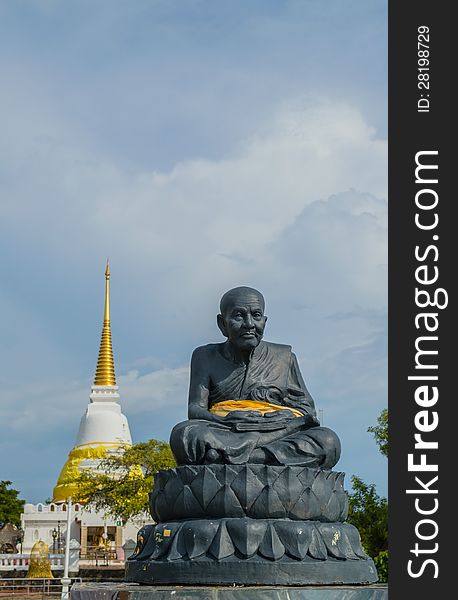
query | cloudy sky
[200, 145]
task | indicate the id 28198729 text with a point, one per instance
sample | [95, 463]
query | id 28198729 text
[423, 78]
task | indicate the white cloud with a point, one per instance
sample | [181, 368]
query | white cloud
[63, 403]
[152, 392]
[280, 214]
[183, 224]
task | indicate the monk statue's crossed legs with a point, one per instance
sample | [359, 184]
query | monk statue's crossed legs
[202, 442]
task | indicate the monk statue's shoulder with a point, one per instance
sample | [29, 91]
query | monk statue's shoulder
[206, 352]
[278, 349]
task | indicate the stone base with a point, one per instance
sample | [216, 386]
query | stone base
[110, 591]
[250, 552]
[255, 491]
[252, 572]
[250, 525]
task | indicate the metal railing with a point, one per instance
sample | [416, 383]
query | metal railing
[20, 562]
[40, 589]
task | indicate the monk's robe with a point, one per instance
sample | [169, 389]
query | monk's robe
[271, 381]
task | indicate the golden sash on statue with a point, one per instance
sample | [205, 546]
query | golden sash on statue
[221, 409]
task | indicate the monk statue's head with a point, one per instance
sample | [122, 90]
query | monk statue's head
[242, 318]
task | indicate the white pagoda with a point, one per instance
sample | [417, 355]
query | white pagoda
[103, 428]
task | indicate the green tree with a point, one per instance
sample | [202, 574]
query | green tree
[380, 432]
[121, 485]
[368, 511]
[10, 505]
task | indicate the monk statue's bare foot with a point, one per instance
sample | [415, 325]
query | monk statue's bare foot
[212, 456]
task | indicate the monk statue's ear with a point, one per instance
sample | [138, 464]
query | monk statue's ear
[222, 325]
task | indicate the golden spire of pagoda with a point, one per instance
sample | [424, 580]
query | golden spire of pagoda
[105, 373]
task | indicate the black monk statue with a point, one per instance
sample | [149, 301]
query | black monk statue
[253, 498]
[248, 402]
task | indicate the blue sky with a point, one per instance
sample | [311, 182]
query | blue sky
[200, 145]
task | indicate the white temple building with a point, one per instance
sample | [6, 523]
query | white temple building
[103, 429]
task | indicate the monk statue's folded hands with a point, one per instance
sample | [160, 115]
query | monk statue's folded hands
[251, 416]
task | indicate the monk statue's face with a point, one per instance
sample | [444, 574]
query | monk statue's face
[242, 318]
